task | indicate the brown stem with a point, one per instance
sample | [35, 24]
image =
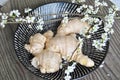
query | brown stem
[73, 53]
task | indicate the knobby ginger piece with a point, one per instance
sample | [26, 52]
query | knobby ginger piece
[36, 45]
[49, 35]
[73, 26]
[64, 45]
[47, 61]
[84, 60]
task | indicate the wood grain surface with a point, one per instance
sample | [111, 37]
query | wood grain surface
[12, 69]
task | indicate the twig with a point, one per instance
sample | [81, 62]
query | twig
[73, 52]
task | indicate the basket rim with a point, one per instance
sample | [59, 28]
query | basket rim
[43, 76]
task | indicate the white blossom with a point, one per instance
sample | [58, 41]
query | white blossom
[95, 42]
[115, 7]
[96, 10]
[39, 27]
[2, 23]
[106, 29]
[104, 3]
[67, 77]
[73, 1]
[111, 31]
[99, 47]
[30, 19]
[80, 39]
[98, 44]
[90, 7]
[79, 10]
[109, 18]
[74, 64]
[65, 20]
[93, 20]
[103, 43]
[97, 3]
[81, 43]
[88, 11]
[105, 37]
[23, 20]
[15, 13]
[101, 66]
[40, 21]
[69, 70]
[81, 0]
[108, 25]
[65, 14]
[84, 6]
[96, 20]
[111, 10]
[88, 36]
[18, 19]
[27, 10]
[30, 26]
[95, 28]
[40, 24]
[85, 18]
[4, 16]
[100, 22]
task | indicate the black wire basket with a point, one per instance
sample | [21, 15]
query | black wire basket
[23, 34]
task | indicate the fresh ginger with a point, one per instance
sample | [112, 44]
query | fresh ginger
[73, 26]
[47, 61]
[36, 44]
[51, 49]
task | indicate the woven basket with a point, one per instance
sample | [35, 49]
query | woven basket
[23, 34]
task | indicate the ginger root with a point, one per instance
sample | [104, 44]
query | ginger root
[47, 61]
[36, 44]
[73, 26]
[64, 45]
[84, 60]
[49, 50]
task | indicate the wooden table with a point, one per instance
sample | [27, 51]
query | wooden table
[12, 69]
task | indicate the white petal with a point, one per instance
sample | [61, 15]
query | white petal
[73, 1]
[112, 31]
[78, 10]
[88, 36]
[27, 10]
[67, 77]
[101, 66]
[67, 72]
